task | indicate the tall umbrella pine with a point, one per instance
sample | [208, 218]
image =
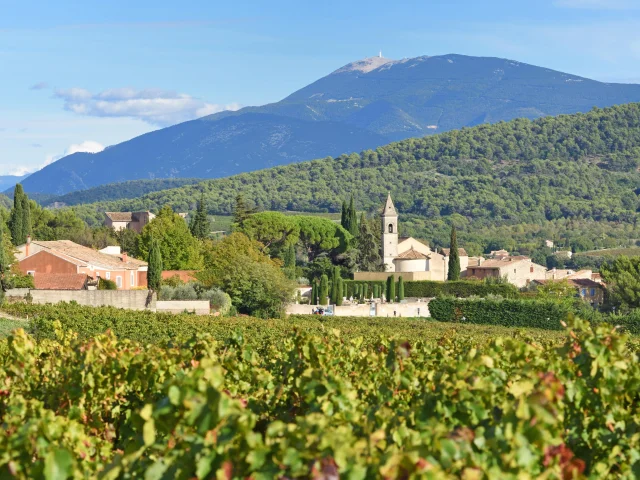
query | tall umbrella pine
[154, 267]
[324, 290]
[454, 257]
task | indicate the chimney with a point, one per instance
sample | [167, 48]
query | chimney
[26, 248]
[125, 257]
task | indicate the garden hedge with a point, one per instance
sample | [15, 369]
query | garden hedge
[460, 288]
[506, 312]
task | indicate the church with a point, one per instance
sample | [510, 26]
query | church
[406, 256]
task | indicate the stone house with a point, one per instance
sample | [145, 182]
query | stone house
[588, 290]
[520, 270]
[64, 257]
[128, 220]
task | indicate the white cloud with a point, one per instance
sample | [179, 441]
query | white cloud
[153, 106]
[599, 4]
[88, 146]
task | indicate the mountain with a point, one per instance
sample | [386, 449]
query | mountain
[360, 106]
[7, 182]
[555, 174]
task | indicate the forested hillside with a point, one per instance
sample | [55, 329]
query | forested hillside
[580, 168]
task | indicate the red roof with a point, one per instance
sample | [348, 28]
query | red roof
[60, 281]
[184, 275]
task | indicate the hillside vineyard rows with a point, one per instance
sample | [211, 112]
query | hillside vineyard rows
[322, 405]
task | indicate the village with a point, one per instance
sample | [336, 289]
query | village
[66, 271]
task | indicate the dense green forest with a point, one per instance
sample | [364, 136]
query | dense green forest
[573, 177]
[114, 191]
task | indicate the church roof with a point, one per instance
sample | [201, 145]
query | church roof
[389, 209]
[411, 254]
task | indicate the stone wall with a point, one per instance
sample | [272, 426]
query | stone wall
[199, 307]
[406, 309]
[129, 299]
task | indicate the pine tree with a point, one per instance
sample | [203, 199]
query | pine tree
[242, 211]
[200, 226]
[17, 216]
[324, 290]
[400, 289]
[368, 245]
[391, 289]
[454, 257]
[154, 267]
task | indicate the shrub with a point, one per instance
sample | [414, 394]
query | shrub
[104, 284]
[506, 312]
[185, 292]
[218, 300]
[166, 292]
[461, 288]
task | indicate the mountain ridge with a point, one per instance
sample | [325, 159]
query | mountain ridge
[359, 106]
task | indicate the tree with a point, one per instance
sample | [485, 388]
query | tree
[324, 290]
[400, 289]
[391, 289]
[290, 262]
[352, 220]
[368, 247]
[241, 211]
[320, 235]
[556, 290]
[128, 241]
[344, 216]
[454, 257]
[17, 217]
[154, 267]
[335, 280]
[179, 249]
[314, 293]
[200, 226]
[26, 217]
[256, 283]
[340, 292]
[622, 278]
[274, 230]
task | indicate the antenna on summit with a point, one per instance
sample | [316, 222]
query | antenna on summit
[380, 54]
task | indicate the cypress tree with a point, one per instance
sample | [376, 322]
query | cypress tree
[200, 226]
[391, 289]
[3, 260]
[17, 216]
[340, 293]
[154, 268]
[375, 290]
[335, 280]
[312, 297]
[324, 290]
[26, 217]
[400, 289]
[344, 216]
[290, 262]
[352, 220]
[454, 257]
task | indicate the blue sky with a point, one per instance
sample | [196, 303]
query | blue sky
[81, 75]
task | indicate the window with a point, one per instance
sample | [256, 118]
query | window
[531, 269]
[108, 275]
[31, 272]
[391, 228]
[584, 292]
[593, 292]
[133, 279]
[119, 281]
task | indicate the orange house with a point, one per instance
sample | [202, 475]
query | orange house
[67, 257]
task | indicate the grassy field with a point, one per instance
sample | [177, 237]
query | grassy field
[612, 252]
[6, 326]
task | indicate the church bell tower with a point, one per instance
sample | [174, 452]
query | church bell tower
[389, 235]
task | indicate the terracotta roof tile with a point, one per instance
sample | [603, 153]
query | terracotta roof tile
[461, 251]
[120, 216]
[60, 281]
[411, 254]
[67, 248]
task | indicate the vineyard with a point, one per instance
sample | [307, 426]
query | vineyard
[305, 399]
